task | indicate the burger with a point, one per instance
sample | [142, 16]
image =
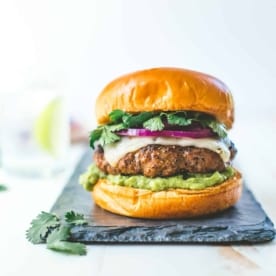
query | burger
[161, 148]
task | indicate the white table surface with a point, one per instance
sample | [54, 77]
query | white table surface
[25, 199]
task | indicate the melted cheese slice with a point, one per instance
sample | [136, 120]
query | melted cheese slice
[114, 152]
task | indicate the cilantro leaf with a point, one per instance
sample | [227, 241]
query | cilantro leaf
[119, 120]
[3, 188]
[126, 118]
[154, 124]
[74, 248]
[218, 128]
[75, 218]
[47, 227]
[61, 233]
[137, 120]
[58, 241]
[95, 135]
[108, 137]
[105, 134]
[175, 119]
[116, 127]
[41, 226]
[207, 120]
[116, 115]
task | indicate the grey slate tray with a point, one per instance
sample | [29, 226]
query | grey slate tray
[245, 223]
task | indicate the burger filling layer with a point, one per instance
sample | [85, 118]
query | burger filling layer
[161, 160]
[114, 152]
[183, 181]
[160, 150]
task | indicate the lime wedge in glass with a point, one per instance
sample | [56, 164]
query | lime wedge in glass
[51, 128]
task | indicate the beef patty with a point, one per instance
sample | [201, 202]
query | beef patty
[159, 160]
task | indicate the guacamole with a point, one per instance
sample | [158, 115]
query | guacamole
[185, 181]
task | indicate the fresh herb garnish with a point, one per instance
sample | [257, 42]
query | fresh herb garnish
[116, 115]
[57, 241]
[218, 128]
[49, 228]
[105, 135]
[153, 121]
[75, 218]
[41, 226]
[177, 118]
[74, 248]
[95, 135]
[108, 137]
[3, 188]
[154, 124]
[137, 120]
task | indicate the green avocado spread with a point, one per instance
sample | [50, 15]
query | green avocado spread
[185, 181]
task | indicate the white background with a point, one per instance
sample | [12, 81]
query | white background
[79, 46]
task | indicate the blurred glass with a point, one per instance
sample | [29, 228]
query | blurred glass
[34, 133]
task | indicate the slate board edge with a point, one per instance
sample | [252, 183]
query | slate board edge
[174, 234]
[178, 233]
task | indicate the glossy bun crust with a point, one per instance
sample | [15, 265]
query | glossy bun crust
[178, 203]
[166, 89]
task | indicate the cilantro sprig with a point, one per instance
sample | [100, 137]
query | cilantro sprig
[154, 121]
[3, 188]
[55, 232]
[41, 226]
[75, 218]
[57, 241]
[154, 124]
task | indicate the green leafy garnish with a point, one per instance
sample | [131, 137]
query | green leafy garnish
[218, 128]
[3, 188]
[177, 119]
[108, 137]
[75, 218]
[105, 135]
[94, 136]
[116, 127]
[62, 233]
[116, 115]
[136, 120]
[57, 241]
[41, 226]
[74, 248]
[154, 124]
[154, 121]
[47, 227]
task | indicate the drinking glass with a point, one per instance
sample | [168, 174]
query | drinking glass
[34, 132]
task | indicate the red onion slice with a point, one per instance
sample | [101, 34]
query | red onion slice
[196, 133]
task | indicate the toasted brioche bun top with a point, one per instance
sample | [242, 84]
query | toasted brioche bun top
[166, 89]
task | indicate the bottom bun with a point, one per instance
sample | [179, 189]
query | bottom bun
[176, 203]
